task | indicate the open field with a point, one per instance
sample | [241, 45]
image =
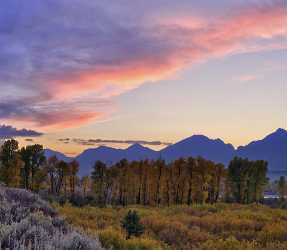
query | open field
[205, 227]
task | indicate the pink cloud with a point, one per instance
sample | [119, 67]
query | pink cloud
[119, 79]
[117, 59]
[246, 78]
[194, 40]
[57, 120]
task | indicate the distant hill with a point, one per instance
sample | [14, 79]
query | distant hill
[110, 156]
[138, 152]
[105, 154]
[49, 153]
[273, 148]
[199, 145]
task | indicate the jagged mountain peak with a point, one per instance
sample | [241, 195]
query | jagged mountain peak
[136, 146]
[103, 147]
[198, 137]
[60, 156]
[272, 148]
[199, 145]
[280, 133]
[278, 136]
[202, 139]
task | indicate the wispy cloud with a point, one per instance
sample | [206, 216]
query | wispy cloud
[91, 142]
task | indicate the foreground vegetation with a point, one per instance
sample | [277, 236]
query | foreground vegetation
[202, 227]
[28, 222]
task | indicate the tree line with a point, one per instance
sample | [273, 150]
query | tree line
[149, 182]
[28, 168]
[184, 181]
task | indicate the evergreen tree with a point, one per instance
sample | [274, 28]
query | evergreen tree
[131, 224]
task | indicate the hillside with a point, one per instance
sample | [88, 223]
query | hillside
[28, 222]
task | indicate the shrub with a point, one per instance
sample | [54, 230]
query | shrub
[27, 222]
[131, 223]
[78, 200]
[218, 227]
[228, 244]
[274, 232]
[144, 244]
[111, 239]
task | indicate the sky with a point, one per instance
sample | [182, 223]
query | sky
[78, 73]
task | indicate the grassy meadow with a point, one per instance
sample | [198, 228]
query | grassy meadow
[203, 227]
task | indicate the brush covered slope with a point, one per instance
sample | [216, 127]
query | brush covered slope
[28, 222]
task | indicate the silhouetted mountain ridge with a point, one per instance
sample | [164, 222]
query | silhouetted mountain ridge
[199, 145]
[62, 157]
[272, 148]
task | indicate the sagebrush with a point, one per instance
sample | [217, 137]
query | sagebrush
[28, 222]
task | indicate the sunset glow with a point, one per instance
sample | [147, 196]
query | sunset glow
[150, 71]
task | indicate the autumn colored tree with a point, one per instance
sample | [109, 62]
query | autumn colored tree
[160, 166]
[62, 169]
[50, 168]
[282, 187]
[238, 175]
[86, 184]
[190, 167]
[10, 163]
[155, 183]
[257, 180]
[33, 158]
[99, 179]
[73, 170]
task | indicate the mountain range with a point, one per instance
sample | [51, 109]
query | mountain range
[272, 148]
[49, 153]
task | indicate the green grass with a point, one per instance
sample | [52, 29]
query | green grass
[206, 227]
